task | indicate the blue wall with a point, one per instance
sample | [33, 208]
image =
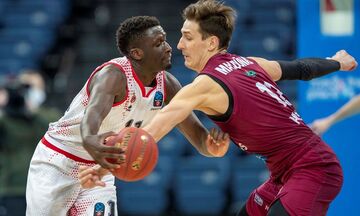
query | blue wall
[321, 97]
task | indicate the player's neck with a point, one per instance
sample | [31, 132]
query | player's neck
[206, 59]
[145, 75]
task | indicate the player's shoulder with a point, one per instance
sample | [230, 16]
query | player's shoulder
[203, 79]
[111, 71]
[172, 86]
[108, 77]
[171, 79]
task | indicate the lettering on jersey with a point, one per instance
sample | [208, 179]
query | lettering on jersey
[158, 99]
[261, 157]
[278, 96]
[243, 147]
[136, 124]
[99, 209]
[234, 64]
[295, 117]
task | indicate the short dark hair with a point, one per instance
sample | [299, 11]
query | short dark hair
[132, 29]
[214, 18]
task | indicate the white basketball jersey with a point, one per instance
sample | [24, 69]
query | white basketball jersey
[136, 110]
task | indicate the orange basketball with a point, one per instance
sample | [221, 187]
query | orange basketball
[141, 153]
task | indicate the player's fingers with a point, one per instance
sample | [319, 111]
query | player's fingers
[85, 179]
[84, 171]
[112, 149]
[104, 137]
[118, 157]
[215, 134]
[100, 183]
[83, 168]
[211, 133]
[210, 139]
[225, 137]
[355, 64]
[107, 134]
[107, 165]
[221, 136]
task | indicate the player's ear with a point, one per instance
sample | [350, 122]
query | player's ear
[136, 53]
[213, 43]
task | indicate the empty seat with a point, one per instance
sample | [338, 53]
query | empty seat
[279, 15]
[212, 202]
[21, 50]
[14, 66]
[173, 144]
[57, 9]
[200, 185]
[39, 19]
[41, 39]
[248, 172]
[150, 195]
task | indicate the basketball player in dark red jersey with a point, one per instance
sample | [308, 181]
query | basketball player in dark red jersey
[239, 94]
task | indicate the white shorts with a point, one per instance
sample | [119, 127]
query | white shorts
[53, 188]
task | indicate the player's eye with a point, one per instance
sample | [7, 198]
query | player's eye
[160, 43]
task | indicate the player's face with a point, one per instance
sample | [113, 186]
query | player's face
[193, 47]
[157, 52]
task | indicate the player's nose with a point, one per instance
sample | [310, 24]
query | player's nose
[180, 44]
[168, 47]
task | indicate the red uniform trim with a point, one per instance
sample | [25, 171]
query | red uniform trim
[66, 154]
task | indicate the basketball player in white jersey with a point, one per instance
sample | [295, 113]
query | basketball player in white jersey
[122, 92]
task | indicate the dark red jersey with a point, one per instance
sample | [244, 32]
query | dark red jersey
[260, 119]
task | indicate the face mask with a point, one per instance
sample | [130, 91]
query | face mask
[35, 97]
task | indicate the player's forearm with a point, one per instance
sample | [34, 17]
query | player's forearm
[349, 109]
[307, 68]
[90, 124]
[165, 121]
[195, 133]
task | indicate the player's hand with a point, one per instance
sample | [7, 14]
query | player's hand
[96, 147]
[320, 126]
[347, 62]
[217, 142]
[90, 177]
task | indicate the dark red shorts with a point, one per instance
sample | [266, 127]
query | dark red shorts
[307, 191]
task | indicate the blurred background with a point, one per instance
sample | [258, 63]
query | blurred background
[48, 48]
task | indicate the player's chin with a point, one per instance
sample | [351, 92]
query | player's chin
[167, 66]
[187, 64]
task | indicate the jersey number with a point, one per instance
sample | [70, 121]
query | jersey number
[136, 124]
[267, 87]
[278, 96]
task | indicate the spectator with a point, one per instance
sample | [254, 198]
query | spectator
[352, 107]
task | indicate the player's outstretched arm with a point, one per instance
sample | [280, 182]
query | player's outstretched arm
[352, 107]
[179, 108]
[193, 129]
[104, 88]
[307, 68]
